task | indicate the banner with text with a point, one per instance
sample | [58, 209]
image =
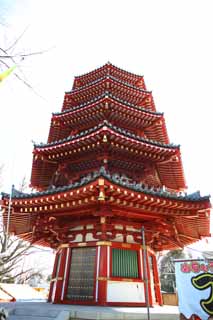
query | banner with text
[194, 281]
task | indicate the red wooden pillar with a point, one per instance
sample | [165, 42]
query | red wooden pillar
[60, 276]
[52, 283]
[148, 277]
[102, 276]
[149, 282]
[66, 272]
[159, 298]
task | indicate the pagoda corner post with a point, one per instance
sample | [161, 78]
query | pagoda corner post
[54, 277]
[59, 277]
[102, 274]
[52, 283]
[157, 282]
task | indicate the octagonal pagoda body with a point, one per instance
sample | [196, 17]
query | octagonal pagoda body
[107, 170]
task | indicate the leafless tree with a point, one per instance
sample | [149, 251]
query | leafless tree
[23, 184]
[13, 253]
[167, 268]
[1, 171]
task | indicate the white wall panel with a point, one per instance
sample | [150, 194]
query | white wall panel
[121, 291]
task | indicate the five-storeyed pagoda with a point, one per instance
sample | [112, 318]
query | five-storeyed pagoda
[107, 170]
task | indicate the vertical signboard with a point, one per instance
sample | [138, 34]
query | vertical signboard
[194, 281]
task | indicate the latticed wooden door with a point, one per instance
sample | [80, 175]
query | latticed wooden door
[82, 274]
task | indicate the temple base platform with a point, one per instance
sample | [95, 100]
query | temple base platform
[47, 311]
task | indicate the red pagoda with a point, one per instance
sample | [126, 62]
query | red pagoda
[107, 170]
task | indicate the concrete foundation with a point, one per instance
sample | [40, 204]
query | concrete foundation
[46, 311]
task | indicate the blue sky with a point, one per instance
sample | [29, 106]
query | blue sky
[169, 42]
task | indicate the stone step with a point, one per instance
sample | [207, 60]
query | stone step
[50, 313]
[15, 317]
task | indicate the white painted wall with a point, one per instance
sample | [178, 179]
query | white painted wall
[121, 291]
[89, 237]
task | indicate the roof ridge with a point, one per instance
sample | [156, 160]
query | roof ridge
[112, 65]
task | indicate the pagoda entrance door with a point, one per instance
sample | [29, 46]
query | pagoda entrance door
[81, 283]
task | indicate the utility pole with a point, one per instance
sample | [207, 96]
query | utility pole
[8, 214]
[145, 276]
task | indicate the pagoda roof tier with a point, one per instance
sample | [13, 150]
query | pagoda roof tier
[171, 220]
[108, 77]
[108, 107]
[105, 124]
[109, 70]
[106, 140]
[116, 87]
[109, 95]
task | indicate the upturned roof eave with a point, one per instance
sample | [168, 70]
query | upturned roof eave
[114, 179]
[102, 97]
[103, 79]
[117, 130]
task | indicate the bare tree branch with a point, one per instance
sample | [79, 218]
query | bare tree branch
[23, 55]
[13, 57]
[17, 39]
[21, 79]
